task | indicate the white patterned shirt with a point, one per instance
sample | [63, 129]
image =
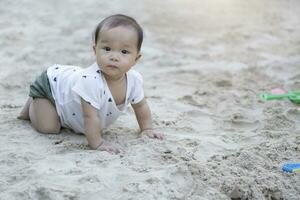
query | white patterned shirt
[70, 83]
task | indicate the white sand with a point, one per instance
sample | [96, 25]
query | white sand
[204, 64]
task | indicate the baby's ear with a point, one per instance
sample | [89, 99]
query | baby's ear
[138, 57]
[94, 49]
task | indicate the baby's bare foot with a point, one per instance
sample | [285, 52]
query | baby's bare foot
[23, 116]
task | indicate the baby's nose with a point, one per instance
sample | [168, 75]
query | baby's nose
[114, 57]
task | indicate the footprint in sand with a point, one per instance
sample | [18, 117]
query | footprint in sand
[192, 100]
[238, 121]
[195, 121]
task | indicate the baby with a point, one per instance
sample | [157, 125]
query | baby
[88, 100]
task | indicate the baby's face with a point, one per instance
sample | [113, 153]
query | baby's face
[116, 50]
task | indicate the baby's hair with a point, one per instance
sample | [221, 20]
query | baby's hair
[120, 20]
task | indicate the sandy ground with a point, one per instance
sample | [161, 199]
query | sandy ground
[205, 62]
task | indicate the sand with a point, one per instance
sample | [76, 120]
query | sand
[205, 63]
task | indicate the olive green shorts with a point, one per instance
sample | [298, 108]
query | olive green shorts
[40, 88]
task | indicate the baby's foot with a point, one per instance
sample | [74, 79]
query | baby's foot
[23, 116]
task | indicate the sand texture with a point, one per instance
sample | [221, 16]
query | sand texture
[205, 63]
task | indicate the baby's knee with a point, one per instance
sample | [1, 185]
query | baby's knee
[49, 129]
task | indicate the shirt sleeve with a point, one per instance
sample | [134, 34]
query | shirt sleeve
[87, 87]
[138, 88]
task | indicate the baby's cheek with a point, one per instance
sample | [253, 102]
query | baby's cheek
[102, 59]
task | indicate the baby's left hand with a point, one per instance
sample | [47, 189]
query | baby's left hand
[153, 134]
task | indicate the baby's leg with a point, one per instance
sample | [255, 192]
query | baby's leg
[43, 116]
[24, 114]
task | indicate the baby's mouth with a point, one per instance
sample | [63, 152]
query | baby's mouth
[112, 66]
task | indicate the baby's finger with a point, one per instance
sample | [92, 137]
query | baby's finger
[150, 135]
[157, 136]
[160, 136]
[107, 149]
[113, 150]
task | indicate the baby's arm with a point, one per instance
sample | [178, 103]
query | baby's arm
[144, 118]
[93, 129]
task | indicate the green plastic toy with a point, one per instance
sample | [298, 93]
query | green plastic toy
[293, 96]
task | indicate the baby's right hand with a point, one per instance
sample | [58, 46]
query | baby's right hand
[110, 148]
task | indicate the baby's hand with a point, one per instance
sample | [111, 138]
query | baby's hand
[153, 134]
[110, 148]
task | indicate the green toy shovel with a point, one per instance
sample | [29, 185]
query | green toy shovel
[293, 96]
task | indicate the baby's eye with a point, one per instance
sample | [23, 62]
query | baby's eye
[106, 48]
[125, 52]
